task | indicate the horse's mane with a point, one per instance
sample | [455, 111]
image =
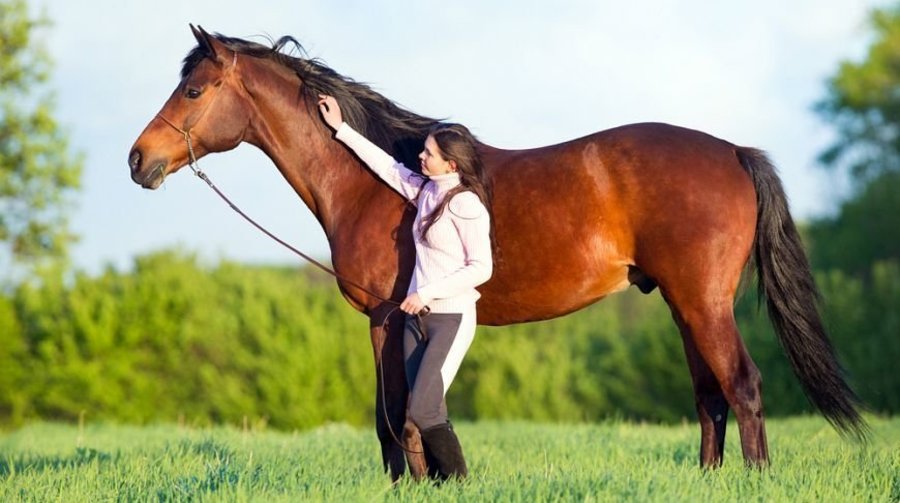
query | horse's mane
[385, 123]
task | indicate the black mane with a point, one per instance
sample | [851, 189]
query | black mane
[393, 128]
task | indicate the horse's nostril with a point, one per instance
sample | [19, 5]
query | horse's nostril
[134, 160]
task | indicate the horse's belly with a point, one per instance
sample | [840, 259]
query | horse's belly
[549, 294]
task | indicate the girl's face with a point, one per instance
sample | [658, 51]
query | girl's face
[433, 164]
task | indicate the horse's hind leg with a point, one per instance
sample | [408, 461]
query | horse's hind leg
[712, 407]
[710, 333]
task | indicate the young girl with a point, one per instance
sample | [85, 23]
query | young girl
[452, 235]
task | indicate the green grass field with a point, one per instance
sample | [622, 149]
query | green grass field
[509, 461]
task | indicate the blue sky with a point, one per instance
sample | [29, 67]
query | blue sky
[518, 73]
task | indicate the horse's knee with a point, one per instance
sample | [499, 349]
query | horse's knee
[747, 390]
[749, 380]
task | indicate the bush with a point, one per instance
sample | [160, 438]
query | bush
[176, 340]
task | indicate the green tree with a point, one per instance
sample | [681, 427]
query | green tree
[865, 229]
[857, 251]
[863, 103]
[38, 171]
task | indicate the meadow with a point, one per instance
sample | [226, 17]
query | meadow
[508, 460]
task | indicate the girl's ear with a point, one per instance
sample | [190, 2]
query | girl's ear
[453, 167]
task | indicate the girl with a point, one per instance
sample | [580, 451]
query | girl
[452, 235]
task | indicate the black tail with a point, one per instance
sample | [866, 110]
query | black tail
[785, 281]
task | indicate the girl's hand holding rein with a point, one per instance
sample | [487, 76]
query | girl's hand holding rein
[412, 304]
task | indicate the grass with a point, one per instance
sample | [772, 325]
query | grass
[508, 461]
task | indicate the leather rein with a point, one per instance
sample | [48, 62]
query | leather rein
[195, 167]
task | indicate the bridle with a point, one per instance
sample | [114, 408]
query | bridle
[195, 167]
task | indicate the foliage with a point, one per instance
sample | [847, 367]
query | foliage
[863, 103]
[622, 357]
[862, 317]
[174, 340]
[38, 172]
[508, 461]
[865, 230]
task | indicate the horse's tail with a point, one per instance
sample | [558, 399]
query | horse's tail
[786, 283]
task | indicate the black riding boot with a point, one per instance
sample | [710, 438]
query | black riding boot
[442, 450]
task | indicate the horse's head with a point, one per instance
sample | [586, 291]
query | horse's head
[209, 104]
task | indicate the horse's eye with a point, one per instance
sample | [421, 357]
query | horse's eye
[193, 93]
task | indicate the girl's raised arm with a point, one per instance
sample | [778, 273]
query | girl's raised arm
[400, 178]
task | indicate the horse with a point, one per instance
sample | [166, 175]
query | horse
[651, 205]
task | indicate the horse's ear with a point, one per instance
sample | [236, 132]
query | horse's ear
[205, 40]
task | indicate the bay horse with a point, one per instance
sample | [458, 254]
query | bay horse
[651, 205]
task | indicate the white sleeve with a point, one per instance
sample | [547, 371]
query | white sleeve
[473, 223]
[400, 178]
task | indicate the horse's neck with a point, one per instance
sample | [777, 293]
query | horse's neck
[325, 176]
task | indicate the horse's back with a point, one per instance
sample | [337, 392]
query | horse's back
[573, 219]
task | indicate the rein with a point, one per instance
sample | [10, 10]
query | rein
[195, 167]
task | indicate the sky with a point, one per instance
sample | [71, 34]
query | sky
[520, 74]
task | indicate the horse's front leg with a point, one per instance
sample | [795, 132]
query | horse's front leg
[395, 433]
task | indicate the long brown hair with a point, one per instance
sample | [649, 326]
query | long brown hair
[456, 143]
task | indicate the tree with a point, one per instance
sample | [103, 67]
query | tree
[864, 231]
[857, 251]
[38, 172]
[863, 103]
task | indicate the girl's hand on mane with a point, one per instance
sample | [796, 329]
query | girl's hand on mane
[331, 111]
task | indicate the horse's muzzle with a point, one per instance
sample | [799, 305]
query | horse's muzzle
[148, 179]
